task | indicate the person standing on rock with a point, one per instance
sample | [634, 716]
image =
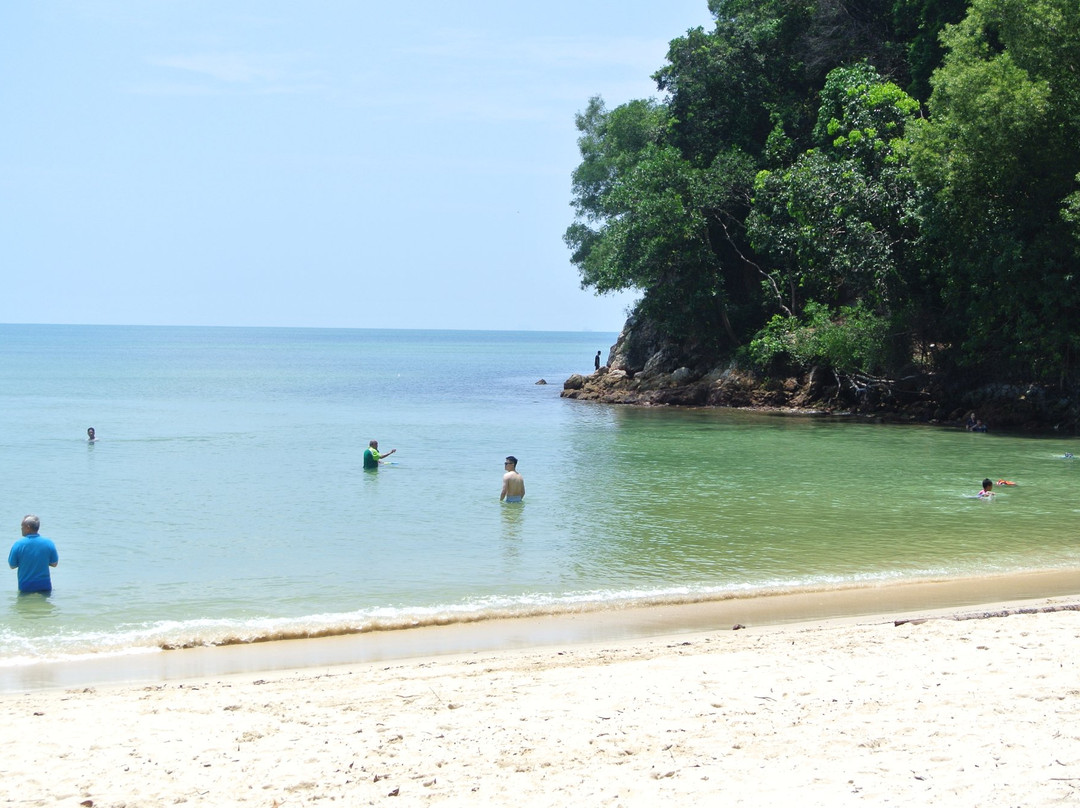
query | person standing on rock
[596, 361]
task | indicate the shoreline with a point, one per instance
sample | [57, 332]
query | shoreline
[910, 600]
[828, 713]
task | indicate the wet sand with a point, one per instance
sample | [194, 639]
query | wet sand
[906, 598]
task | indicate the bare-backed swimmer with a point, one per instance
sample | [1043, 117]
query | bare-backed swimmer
[513, 485]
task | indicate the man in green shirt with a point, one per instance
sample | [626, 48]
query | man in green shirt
[372, 457]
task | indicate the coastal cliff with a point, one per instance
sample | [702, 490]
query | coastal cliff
[645, 370]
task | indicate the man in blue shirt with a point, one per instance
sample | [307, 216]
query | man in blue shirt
[32, 555]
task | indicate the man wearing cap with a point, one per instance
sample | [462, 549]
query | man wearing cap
[513, 487]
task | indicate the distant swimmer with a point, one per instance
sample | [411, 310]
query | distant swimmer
[32, 555]
[372, 458]
[90, 436]
[513, 487]
[987, 489]
[1068, 455]
[1005, 482]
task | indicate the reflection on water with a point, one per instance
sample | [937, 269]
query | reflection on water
[33, 606]
[719, 498]
[227, 497]
[512, 517]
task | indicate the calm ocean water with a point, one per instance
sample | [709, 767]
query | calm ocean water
[225, 499]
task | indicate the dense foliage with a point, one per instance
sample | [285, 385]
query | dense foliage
[880, 187]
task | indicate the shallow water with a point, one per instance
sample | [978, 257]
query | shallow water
[225, 499]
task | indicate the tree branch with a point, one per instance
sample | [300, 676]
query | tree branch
[772, 281]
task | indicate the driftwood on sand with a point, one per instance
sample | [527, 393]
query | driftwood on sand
[1063, 607]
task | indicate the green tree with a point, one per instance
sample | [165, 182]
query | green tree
[663, 191]
[836, 229]
[786, 173]
[643, 222]
[999, 153]
[919, 24]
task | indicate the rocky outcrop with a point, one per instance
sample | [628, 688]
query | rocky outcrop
[727, 387]
[644, 370]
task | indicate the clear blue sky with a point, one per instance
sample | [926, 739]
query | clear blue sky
[331, 163]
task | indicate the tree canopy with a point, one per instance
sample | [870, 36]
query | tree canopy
[878, 186]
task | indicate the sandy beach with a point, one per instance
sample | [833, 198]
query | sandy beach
[981, 711]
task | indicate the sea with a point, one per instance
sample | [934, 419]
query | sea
[225, 501]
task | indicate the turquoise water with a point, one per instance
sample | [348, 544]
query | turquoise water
[225, 499]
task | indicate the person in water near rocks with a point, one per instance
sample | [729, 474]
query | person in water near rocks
[987, 489]
[513, 487]
[372, 458]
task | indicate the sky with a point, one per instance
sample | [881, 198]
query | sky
[327, 163]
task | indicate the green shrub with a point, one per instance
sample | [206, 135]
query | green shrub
[851, 340]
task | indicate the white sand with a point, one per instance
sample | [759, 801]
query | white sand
[979, 712]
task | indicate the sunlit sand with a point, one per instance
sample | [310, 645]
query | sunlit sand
[859, 709]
